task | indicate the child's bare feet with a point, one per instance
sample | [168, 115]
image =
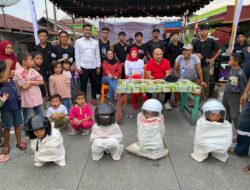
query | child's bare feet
[4, 156]
[231, 151]
[247, 170]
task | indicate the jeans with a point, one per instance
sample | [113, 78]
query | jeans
[67, 103]
[29, 112]
[112, 86]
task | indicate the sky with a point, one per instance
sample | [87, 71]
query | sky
[21, 10]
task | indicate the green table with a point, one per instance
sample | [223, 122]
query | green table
[185, 87]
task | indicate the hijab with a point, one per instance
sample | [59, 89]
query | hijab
[4, 56]
[130, 58]
[111, 61]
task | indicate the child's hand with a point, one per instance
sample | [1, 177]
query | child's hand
[4, 97]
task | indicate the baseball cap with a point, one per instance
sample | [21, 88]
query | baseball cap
[188, 46]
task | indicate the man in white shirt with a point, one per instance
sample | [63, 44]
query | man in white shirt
[87, 56]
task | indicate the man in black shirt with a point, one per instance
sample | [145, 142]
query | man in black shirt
[64, 51]
[120, 50]
[104, 46]
[174, 49]
[207, 50]
[142, 48]
[46, 50]
[241, 42]
[155, 43]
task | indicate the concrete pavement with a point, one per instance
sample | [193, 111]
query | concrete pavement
[176, 172]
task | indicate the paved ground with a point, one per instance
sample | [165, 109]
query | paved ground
[176, 172]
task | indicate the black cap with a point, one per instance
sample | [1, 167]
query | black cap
[205, 27]
[156, 30]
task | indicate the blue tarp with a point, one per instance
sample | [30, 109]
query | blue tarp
[175, 24]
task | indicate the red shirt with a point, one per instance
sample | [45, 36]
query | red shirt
[158, 71]
[114, 70]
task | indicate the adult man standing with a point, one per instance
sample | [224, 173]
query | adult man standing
[241, 42]
[174, 49]
[46, 50]
[120, 50]
[88, 61]
[159, 68]
[155, 43]
[64, 50]
[207, 50]
[104, 46]
[140, 46]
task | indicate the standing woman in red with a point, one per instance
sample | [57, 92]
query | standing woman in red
[7, 52]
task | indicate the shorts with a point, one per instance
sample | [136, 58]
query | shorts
[11, 119]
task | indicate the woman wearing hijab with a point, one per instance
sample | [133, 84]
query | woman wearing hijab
[7, 52]
[112, 70]
[134, 68]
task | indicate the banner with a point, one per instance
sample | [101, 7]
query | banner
[130, 28]
[237, 12]
[34, 20]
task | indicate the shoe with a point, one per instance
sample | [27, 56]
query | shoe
[94, 102]
[167, 106]
[73, 132]
[85, 132]
[98, 96]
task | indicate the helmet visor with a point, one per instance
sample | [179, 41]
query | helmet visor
[215, 115]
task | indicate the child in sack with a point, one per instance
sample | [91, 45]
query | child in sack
[46, 141]
[150, 132]
[106, 135]
[58, 113]
[213, 133]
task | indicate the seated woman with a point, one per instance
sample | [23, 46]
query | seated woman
[112, 69]
[134, 68]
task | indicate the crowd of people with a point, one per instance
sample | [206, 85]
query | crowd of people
[61, 73]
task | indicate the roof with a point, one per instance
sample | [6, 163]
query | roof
[15, 23]
[127, 8]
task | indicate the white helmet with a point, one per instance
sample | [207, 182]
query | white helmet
[213, 105]
[152, 105]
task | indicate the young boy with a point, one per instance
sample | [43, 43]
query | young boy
[29, 80]
[213, 133]
[106, 135]
[150, 132]
[11, 116]
[58, 113]
[235, 86]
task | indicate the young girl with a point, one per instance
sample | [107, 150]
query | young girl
[10, 115]
[38, 60]
[112, 69]
[68, 73]
[134, 68]
[47, 142]
[81, 116]
[60, 84]
[106, 135]
[29, 80]
[213, 133]
[7, 52]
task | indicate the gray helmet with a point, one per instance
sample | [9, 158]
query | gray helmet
[38, 122]
[104, 115]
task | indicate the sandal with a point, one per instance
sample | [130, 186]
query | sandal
[4, 157]
[247, 170]
[21, 146]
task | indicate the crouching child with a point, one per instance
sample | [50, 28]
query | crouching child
[47, 142]
[106, 135]
[150, 132]
[213, 133]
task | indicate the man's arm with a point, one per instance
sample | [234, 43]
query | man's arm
[244, 97]
[77, 56]
[176, 69]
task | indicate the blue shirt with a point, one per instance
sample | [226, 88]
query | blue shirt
[13, 103]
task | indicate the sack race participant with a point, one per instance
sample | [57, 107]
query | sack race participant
[150, 132]
[106, 135]
[213, 133]
[46, 141]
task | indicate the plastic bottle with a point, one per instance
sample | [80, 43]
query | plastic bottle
[142, 73]
[182, 72]
[130, 74]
